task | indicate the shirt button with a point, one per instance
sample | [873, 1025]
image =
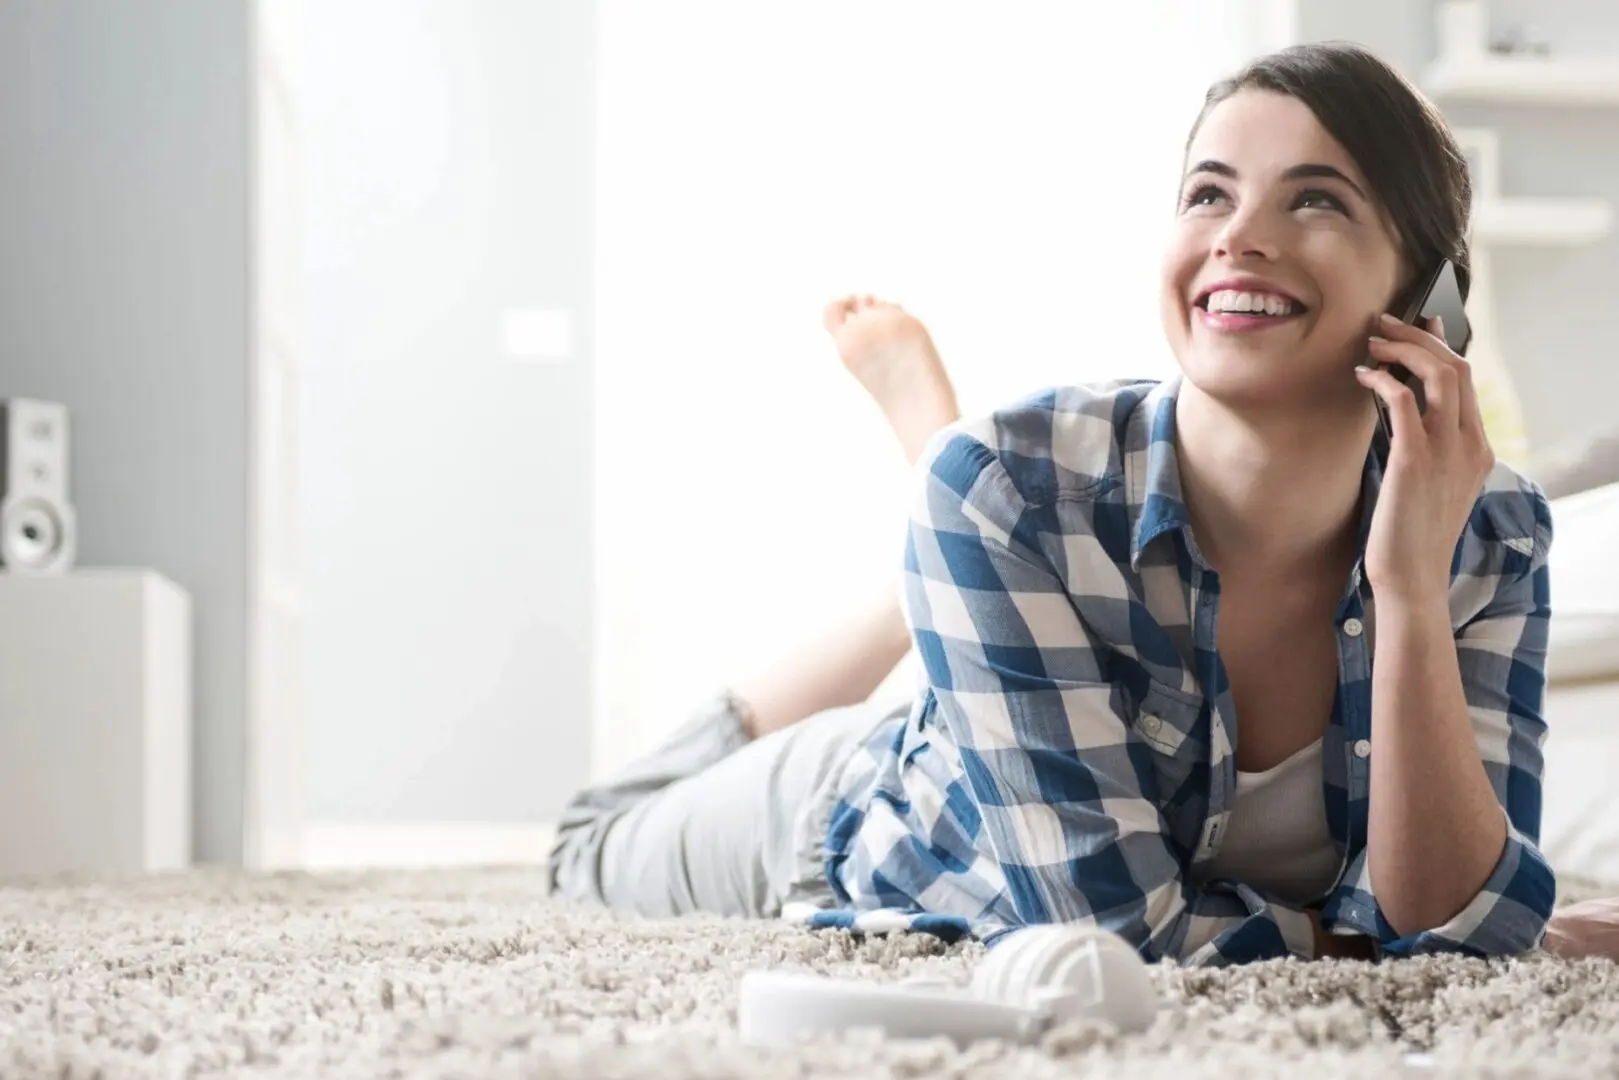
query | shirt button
[1354, 627]
[1363, 748]
[1151, 724]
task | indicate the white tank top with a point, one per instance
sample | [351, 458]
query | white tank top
[1276, 838]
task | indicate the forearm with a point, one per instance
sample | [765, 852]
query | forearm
[1436, 829]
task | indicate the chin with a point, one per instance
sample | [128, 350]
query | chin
[1246, 378]
[1233, 368]
[1236, 385]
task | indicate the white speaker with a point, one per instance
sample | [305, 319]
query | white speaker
[38, 531]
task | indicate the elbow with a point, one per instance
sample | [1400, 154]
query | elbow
[1413, 912]
[1421, 895]
[1506, 917]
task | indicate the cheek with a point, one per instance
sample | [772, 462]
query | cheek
[1183, 257]
[1182, 262]
[1173, 285]
[1360, 275]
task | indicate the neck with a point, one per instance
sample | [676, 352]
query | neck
[1271, 492]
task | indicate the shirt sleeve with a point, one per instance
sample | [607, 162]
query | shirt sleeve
[1063, 782]
[1502, 654]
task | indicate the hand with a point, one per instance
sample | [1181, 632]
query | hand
[1589, 928]
[1438, 460]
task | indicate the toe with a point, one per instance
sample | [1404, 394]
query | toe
[837, 311]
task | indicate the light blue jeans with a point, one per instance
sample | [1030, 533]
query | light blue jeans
[711, 821]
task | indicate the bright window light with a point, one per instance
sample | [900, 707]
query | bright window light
[1005, 171]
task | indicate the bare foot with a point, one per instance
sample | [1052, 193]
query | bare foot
[889, 351]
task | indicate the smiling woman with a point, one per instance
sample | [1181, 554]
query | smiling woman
[1207, 662]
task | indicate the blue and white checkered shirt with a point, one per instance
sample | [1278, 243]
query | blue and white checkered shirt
[1071, 755]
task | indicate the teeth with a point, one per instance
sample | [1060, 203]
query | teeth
[1231, 300]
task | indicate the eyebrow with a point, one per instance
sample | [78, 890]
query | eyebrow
[1297, 172]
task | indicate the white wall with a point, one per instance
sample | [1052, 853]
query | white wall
[446, 485]
[1003, 171]
[125, 293]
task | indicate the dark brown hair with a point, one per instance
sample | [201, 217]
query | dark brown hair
[1398, 138]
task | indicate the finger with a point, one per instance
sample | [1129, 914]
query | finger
[1396, 396]
[1395, 330]
[1471, 413]
[1439, 377]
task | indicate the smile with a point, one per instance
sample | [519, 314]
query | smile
[1240, 310]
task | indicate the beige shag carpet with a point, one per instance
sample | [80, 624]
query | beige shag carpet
[473, 973]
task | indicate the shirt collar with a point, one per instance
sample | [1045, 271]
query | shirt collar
[1153, 478]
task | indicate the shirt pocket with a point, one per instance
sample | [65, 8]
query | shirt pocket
[1174, 726]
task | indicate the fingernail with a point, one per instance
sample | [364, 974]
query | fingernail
[1376, 339]
[1387, 318]
[1364, 369]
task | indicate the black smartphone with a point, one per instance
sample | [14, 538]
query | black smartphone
[1441, 295]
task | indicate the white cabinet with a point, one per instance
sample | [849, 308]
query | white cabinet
[95, 724]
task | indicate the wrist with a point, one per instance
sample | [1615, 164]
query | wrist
[1413, 600]
[1554, 940]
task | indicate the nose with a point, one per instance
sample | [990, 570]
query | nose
[1247, 234]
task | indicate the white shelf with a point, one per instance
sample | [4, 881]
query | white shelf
[1543, 222]
[1525, 80]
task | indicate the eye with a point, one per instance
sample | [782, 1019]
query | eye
[1202, 195]
[1319, 199]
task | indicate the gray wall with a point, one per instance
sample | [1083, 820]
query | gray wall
[124, 293]
[448, 151]
[1558, 321]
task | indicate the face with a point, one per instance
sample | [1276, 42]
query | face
[1280, 259]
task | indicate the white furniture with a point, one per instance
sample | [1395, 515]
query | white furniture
[95, 724]
[1584, 587]
[1467, 67]
[1579, 827]
[1525, 80]
[1580, 820]
[1466, 71]
[1541, 222]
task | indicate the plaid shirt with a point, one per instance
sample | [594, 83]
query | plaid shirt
[1071, 755]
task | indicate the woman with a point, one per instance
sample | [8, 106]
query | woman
[1205, 659]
